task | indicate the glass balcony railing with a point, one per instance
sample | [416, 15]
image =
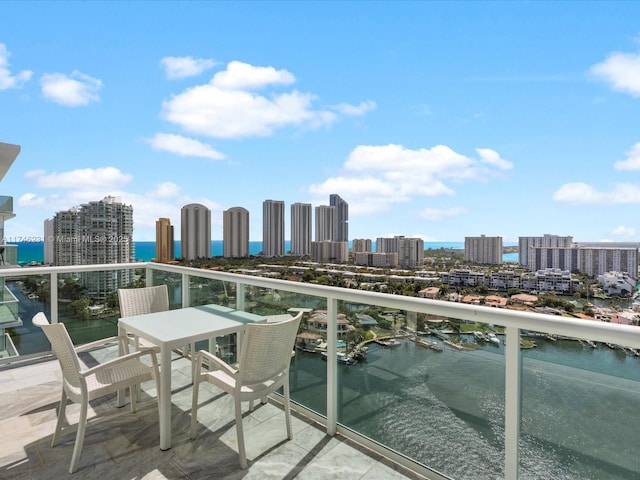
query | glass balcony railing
[478, 392]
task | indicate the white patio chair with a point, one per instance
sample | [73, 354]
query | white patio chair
[263, 368]
[139, 301]
[82, 385]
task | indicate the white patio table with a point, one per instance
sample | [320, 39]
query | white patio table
[175, 328]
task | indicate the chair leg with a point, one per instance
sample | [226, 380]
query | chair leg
[134, 393]
[77, 449]
[287, 410]
[194, 406]
[61, 416]
[239, 431]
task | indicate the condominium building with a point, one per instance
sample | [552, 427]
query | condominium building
[325, 223]
[9, 311]
[598, 258]
[330, 252]
[526, 244]
[235, 233]
[195, 231]
[370, 259]
[273, 228]
[361, 245]
[410, 250]
[483, 250]
[99, 232]
[301, 229]
[341, 218]
[165, 245]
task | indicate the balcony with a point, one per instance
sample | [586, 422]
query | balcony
[562, 410]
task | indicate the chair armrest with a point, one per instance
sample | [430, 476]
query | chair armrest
[98, 343]
[217, 362]
[122, 359]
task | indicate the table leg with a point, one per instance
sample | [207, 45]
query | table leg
[165, 399]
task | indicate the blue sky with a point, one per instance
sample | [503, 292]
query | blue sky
[432, 119]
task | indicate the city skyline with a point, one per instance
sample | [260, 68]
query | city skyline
[433, 120]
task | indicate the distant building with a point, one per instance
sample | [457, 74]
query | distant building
[617, 283]
[94, 233]
[341, 218]
[410, 250]
[325, 223]
[195, 232]
[273, 228]
[165, 249]
[235, 232]
[381, 260]
[526, 244]
[330, 252]
[483, 250]
[49, 244]
[361, 245]
[301, 229]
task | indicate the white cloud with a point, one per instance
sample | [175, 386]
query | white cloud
[81, 179]
[491, 157]
[440, 214]
[624, 232]
[230, 107]
[632, 162]
[242, 76]
[31, 200]
[621, 71]
[72, 90]
[184, 67]
[355, 110]
[377, 177]
[166, 190]
[7, 80]
[183, 146]
[584, 194]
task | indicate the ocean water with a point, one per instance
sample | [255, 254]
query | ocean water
[29, 252]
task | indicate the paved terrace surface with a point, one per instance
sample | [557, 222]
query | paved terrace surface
[123, 445]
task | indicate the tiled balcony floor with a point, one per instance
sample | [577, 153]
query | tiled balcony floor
[123, 445]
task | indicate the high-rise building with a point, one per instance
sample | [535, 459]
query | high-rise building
[8, 256]
[325, 223]
[195, 231]
[96, 233]
[525, 244]
[235, 233]
[273, 228]
[329, 252]
[165, 246]
[483, 250]
[49, 244]
[301, 229]
[341, 218]
[361, 245]
[410, 250]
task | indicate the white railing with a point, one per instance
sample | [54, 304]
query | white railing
[513, 321]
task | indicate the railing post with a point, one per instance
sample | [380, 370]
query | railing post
[332, 366]
[53, 291]
[240, 291]
[512, 403]
[148, 277]
[185, 290]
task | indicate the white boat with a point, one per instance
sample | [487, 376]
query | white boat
[491, 337]
[480, 336]
[342, 358]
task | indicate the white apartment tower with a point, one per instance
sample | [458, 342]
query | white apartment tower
[273, 228]
[361, 245]
[94, 233]
[341, 218]
[301, 229]
[483, 250]
[195, 232]
[526, 244]
[235, 233]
